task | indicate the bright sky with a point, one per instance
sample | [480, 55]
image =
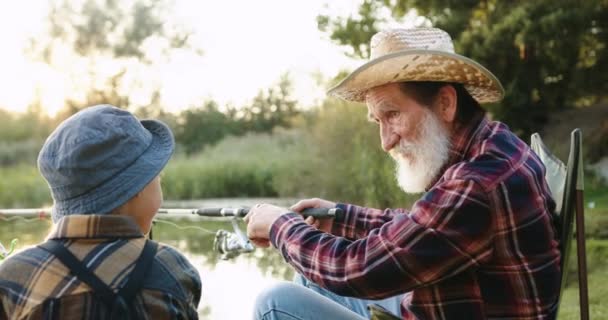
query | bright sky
[246, 46]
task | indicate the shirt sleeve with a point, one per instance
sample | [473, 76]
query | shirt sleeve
[358, 221]
[447, 231]
[186, 275]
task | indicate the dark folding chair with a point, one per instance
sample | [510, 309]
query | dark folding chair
[566, 184]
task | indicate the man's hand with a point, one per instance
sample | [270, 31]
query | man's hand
[321, 224]
[259, 221]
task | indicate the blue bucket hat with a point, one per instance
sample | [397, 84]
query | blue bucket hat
[101, 157]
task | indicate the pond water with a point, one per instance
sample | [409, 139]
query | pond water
[229, 286]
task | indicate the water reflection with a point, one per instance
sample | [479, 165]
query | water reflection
[229, 287]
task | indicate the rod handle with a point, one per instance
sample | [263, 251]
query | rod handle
[324, 213]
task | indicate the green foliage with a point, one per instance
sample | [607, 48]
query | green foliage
[598, 142]
[597, 278]
[202, 126]
[354, 31]
[22, 186]
[22, 135]
[17, 152]
[269, 109]
[274, 107]
[195, 178]
[236, 167]
[4, 253]
[31, 125]
[597, 255]
[548, 54]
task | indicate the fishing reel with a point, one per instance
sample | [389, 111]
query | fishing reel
[231, 244]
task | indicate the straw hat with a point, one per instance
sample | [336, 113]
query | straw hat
[417, 54]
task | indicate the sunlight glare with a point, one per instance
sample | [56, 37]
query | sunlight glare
[246, 45]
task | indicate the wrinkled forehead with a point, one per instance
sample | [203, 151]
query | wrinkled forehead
[388, 98]
[377, 104]
[385, 97]
[382, 95]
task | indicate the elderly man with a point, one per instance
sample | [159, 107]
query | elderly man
[479, 242]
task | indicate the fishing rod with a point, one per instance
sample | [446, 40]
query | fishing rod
[213, 212]
[228, 244]
[231, 244]
[240, 212]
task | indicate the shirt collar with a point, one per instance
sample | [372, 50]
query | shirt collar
[93, 226]
[462, 140]
[460, 144]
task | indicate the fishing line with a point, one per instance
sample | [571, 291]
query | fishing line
[186, 227]
[20, 218]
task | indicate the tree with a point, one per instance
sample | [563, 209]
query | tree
[269, 109]
[204, 126]
[207, 125]
[110, 42]
[22, 135]
[549, 55]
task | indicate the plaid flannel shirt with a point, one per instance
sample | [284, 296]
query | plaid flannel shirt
[479, 244]
[36, 285]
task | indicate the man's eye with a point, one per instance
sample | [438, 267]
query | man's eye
[392, 114]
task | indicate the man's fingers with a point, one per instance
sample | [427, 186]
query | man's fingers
[313, 222]
[303, 204]
[250, 213]
[310, 220]
[299, 206]
[317, 223]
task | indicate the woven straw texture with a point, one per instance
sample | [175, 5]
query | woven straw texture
[419, 54]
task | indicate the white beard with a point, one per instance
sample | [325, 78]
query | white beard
[419, 162]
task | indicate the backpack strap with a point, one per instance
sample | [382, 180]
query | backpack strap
[136, 278]
[114, 301]
[78, 268]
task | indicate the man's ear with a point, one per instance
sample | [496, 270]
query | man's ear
[446, 104]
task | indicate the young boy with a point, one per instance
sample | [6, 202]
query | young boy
[102, 166]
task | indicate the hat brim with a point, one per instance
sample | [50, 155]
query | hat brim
[420, 65]
[120, 188]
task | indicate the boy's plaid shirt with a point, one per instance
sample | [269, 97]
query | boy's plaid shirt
[36, 285]
[479, 244]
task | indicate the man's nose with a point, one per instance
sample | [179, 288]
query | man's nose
[389, 138]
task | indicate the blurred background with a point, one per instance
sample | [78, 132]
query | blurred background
[242, 83]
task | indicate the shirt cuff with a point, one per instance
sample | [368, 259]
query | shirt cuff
[281, 226]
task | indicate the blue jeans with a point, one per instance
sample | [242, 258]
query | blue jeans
[304, 300]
